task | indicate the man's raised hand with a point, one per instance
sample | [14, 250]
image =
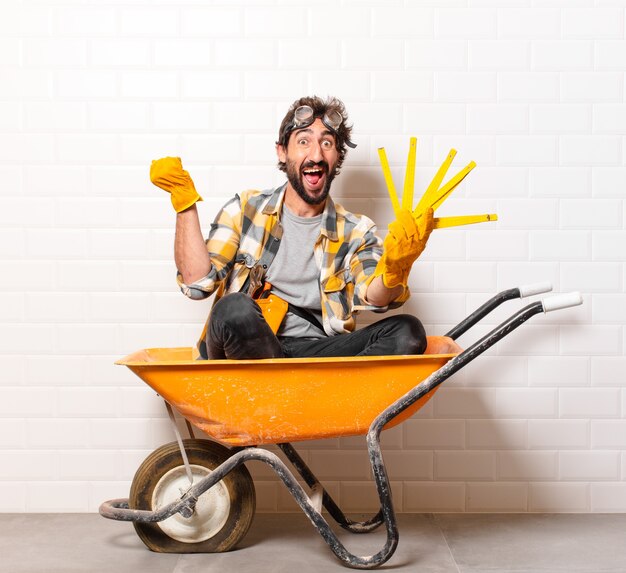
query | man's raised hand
[168, 174]
[403, 244]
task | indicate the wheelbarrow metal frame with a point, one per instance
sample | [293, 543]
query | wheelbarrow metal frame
[119, 509]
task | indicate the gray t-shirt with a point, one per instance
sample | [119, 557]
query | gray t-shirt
[294, 273]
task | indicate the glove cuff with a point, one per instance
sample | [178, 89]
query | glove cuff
[181, 203]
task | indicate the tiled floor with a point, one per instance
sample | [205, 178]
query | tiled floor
[442, 543]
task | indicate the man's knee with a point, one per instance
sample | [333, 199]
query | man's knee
[236, 310]
[410, 334]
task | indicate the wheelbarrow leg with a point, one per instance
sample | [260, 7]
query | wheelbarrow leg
[327, 501]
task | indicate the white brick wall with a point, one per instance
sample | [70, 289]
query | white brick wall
[533, 91]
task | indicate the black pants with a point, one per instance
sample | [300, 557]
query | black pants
[237, 330]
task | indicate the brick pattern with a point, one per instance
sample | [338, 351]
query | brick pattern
[533, 91]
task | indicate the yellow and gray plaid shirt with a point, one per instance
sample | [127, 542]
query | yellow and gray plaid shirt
[247, 231]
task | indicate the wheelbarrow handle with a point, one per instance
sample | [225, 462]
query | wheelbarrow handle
[494, 302]
[534, 288]
[549, 304]
[561, 301]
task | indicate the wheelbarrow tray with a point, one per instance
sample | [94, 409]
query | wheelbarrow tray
[252, 402]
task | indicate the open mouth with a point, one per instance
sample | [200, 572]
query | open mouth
[313, 175]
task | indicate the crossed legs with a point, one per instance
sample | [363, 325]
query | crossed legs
[237, 330]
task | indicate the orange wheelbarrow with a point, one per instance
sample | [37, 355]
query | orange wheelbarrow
[196, 495]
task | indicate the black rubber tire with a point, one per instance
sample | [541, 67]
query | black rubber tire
[209, 455]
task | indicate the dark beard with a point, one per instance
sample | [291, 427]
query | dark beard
[295, 179]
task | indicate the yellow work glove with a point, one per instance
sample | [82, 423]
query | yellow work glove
[403, 244]
[168, 174]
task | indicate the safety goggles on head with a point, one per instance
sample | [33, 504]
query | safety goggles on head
[305, 116]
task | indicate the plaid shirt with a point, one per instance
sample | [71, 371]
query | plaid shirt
[247, 231]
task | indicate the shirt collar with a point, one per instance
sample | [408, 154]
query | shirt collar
[329, 217]
[275, 204]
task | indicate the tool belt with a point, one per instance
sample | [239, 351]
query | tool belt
[272, 306]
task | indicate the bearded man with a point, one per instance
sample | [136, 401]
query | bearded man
[297, 244]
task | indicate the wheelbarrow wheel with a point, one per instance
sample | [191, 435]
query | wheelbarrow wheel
[222, 515]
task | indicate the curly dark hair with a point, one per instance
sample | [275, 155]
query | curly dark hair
[319, 107]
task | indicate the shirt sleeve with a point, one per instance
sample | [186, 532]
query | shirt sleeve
[222, 245]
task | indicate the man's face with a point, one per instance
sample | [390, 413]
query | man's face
[311, 158]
